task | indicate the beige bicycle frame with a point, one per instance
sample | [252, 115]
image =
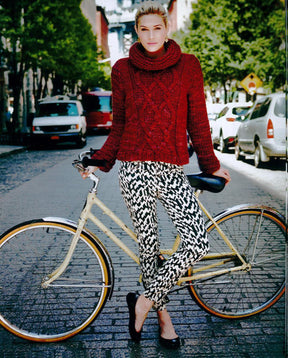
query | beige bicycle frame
[86, 214]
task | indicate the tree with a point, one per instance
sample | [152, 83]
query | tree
[12, 31]
[66, 46]
[234, 38]
[53, 38]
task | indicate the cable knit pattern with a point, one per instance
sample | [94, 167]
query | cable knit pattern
[155, 103]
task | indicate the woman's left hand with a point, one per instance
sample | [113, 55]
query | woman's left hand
[223, 173]
[88, 171]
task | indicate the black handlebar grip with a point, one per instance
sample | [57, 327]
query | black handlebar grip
[93, 162]
[93, 151]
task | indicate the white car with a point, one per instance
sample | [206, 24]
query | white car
[226, 126]
[263, 131]
[213, 110]
[59, 119]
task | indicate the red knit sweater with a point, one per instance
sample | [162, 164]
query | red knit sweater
[155, 103]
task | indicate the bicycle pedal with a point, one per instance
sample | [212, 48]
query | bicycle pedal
[161, 260]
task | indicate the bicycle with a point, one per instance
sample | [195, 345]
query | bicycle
[56, 275]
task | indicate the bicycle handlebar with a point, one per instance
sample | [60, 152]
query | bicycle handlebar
[86, 161]
[200, 181]
[93, 162]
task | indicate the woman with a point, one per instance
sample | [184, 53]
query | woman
[157, 97]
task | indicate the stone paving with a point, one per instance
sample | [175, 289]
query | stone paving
[203, 335]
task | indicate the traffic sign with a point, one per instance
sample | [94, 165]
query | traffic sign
[251, 83]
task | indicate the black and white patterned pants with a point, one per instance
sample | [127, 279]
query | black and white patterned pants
[142, 183]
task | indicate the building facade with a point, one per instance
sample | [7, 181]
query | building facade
[179, 12]
[88, 8]
[102, 29]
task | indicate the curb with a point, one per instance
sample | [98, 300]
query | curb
[6, 153]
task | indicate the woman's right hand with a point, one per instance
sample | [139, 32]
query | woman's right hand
[88, 171]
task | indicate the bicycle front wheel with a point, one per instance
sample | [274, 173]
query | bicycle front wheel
[258, 233]
[31, 251]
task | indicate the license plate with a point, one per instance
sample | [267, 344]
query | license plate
[54, 137]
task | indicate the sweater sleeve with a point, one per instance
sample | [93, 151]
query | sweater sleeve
[109, 150]
[197, 120]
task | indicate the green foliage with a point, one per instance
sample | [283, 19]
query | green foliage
[54, 37]
[234, 38]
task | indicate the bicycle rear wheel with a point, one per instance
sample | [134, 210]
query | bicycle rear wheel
[258, 233]
[31, 251]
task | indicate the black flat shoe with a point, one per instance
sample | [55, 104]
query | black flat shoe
[170, 343]
[131, 300]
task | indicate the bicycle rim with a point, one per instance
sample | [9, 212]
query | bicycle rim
[31, 251]
[259, 235]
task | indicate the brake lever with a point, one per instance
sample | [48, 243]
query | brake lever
[84, 154]
[79, 166]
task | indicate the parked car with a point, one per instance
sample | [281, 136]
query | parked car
[226, 126]
[59, 119]
[213, 110]
[263, 131]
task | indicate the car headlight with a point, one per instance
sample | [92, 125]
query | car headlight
[36, 129]
[74, 126]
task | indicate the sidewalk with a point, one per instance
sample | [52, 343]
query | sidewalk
[7, 149]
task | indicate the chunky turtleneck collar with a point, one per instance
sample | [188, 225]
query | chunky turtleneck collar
[140, 60]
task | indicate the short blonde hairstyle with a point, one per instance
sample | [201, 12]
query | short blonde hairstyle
[151, 7]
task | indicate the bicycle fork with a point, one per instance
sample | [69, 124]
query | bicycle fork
[60, 269]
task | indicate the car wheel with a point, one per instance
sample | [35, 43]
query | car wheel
[81, 141]
[237, 151]
[257, 156]
[222, 145]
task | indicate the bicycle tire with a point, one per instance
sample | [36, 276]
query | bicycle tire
[259, 234]
[28, 253]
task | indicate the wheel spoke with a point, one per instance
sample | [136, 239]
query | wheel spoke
[259, 236]
[30, 253]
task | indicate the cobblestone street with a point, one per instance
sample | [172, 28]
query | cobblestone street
[202, 335]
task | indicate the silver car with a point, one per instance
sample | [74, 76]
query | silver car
[262, 132]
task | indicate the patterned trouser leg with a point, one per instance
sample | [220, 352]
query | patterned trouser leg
[142, 183]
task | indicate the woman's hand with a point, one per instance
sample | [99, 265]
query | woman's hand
[223, 173]
[88, 171]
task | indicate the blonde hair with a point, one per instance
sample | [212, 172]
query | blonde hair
[151, 7]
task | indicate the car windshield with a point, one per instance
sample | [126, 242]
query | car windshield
[279, 109]
[57, 109]
[240, 111]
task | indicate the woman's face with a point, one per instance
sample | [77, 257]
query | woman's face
[152, 32]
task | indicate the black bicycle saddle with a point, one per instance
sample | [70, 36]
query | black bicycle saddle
[207, 182]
